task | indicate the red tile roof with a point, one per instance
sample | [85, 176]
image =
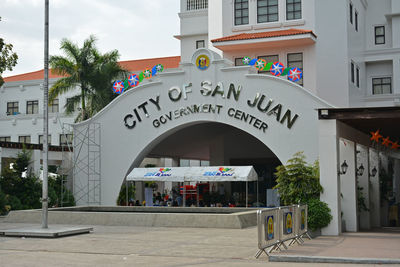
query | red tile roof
[130, 65]
[258, 35]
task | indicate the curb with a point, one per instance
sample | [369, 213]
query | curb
[321, 259]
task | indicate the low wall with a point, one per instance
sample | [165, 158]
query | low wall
[234, 218]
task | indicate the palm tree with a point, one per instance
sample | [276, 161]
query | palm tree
[106, 71]
[85, 68]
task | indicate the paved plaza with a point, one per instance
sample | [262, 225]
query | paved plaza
[162, 246]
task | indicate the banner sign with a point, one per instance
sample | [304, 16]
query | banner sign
[194, 174]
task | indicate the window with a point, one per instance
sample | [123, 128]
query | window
[239, 61]
[66, 139]
[196, 4]
[32, 107]
[48, 139]
[271, 58]
[69, 102]
[200, 44]
[356, 20]
[24, 139]
[267, 11]
[352, 72]
[53, 106]
[241, 12]
[351, 13]
[379, 34]
[293, 9]
[295, 60]
[358, 77]
[5, 139]
[12, 108]
[381, 85]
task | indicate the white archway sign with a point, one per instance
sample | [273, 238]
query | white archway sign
[279, 113]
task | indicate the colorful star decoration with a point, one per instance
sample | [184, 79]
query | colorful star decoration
[118, 87]
[395, 145]
[386, 142]
[246, 60]
[277, 68]
[260, 64]
[295, 74]
[375, 136]
[135, 79]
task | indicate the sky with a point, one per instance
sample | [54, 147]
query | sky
[136, 28]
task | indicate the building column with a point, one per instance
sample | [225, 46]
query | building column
[329, 178]
[347, 151]
[396, 78]
[375, 198]
[396, 180]
[139, 191]
[363, 182]
[384, 166]
[171, 162]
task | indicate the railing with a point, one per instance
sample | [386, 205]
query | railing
[196, 4]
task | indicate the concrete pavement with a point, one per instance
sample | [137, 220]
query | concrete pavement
[162, 246]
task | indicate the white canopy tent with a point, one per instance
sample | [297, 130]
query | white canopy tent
[196, 174]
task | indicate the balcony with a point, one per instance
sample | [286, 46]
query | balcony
[196, 4]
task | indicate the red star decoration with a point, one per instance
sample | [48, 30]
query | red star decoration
[395, 145]
[386, 142]
[376, 136]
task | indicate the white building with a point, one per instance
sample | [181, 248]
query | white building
[349, 52]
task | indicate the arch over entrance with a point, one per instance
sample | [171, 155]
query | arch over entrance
[278, 113]
[217, 144]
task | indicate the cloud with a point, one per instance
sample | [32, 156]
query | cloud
[137, 29]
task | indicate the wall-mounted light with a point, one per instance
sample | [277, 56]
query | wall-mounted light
[343, 168]
[373, 172]
[360, 170]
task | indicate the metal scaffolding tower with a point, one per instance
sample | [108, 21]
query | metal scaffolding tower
[65, 170]
[87, 165]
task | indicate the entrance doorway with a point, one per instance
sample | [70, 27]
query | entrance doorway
[217, 144]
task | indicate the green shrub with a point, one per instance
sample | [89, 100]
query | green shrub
[14, 202]
[319, 214]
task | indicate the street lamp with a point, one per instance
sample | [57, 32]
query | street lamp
[373, 172]
[343, 168]
[360, 170]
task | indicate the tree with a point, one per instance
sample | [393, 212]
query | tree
[18, 192]
[106, 71]
[90, 71]
[8, 59]
[297, 181]
[21, 192]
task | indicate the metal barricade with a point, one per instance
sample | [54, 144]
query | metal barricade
[278, 225]
[288, 224]
[302, 218]
[268, 229]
